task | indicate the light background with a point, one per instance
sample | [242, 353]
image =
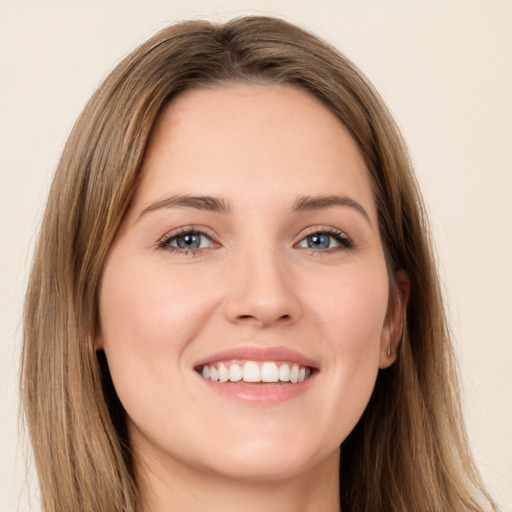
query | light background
[443, 67]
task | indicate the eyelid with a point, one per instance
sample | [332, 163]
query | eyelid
[328, 230]
[183, 230]
[346, 243]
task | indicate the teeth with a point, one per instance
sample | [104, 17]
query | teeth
[269, 372]
[235, 373]
[284, 373]
[223, 373]
[251, 371]
[294, 373]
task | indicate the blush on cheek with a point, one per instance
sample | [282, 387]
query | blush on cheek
[356, 310]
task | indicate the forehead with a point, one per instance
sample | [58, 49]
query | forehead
[245, 141]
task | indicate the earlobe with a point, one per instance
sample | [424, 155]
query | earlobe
[394, 325]
[98, 343]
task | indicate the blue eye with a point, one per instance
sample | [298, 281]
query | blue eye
[319, 241]
[323, 240]
[187, 241]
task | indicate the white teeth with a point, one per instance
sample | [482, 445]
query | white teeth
[284, 373]
[235, 373]
[214, 374]
[223, 373]
[294, 373]
[252, 371]
[269, 372]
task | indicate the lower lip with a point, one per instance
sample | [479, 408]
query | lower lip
[259, 393]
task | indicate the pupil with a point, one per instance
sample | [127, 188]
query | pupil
[318, 241]
[190, 241]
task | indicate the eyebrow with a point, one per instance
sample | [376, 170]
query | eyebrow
[307, 203]
[205, 203]
[219, 205]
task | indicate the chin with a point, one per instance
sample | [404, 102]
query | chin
[263, 467]
[265, 459]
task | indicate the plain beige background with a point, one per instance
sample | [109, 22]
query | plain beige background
[443, 67]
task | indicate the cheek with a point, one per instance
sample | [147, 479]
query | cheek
[352, 313]
[147, 308]
[352, 307]
[147, 321]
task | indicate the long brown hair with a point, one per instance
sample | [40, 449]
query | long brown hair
[408, 451]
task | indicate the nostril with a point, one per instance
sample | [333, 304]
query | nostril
[243, 318]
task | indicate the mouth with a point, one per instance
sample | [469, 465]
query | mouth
[256, 372]
[252, 374]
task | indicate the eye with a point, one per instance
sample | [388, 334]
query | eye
[325, 240]
[186, 240]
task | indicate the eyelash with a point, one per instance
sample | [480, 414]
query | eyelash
[165, 242]
[345, 243]
[342, 238]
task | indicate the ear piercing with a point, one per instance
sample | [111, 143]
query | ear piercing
[389, 351]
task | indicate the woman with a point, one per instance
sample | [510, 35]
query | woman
[234, 279]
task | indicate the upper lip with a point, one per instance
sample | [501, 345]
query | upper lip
[258, 353]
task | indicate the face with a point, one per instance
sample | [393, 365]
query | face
[244, 300]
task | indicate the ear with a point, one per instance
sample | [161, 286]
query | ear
[395, 319]
[98, 342]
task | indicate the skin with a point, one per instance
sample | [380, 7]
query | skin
[253, 283]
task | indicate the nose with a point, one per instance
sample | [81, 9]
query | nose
[262, 292]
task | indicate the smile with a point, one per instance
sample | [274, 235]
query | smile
[255, 372]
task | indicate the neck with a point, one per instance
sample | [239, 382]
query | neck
[176, 486]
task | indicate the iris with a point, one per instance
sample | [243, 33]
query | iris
[188, 241]
[319, 241]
